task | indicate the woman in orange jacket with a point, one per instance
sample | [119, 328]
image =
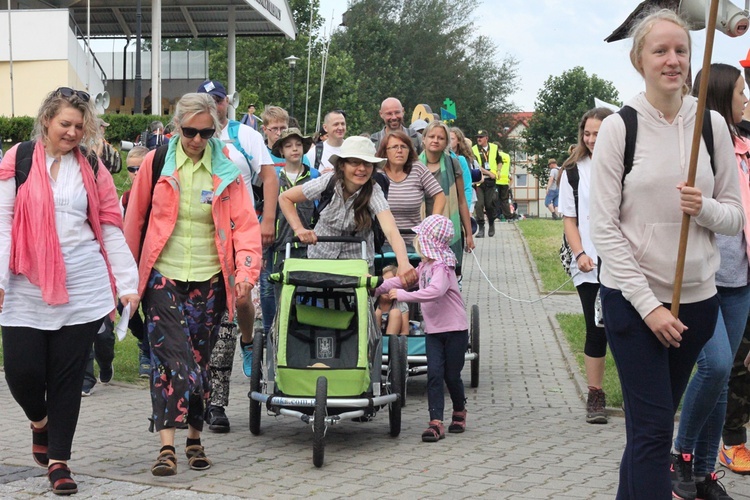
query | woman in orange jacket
[198, 246]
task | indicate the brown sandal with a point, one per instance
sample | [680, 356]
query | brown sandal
[196, 456]
[59, 477]
[166, 464]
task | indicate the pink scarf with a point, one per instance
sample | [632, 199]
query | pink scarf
[741, 149]
[35, 248]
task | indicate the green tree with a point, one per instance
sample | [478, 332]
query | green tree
[422, 52]
[559, 107]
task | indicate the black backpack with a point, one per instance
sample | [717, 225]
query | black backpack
[379, 238]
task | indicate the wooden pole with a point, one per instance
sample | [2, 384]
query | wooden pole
[702, 93]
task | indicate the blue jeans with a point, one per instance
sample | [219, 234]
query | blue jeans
[445, 360]
[653, 379]
[267, 295]
[705, 402]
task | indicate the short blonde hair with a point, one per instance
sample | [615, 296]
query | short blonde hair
[51, 107]
[274, 113]
[194, 104]
[137, 153]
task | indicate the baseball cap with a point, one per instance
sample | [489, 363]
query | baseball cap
[482, 133]
[213, 87]
[745, 63]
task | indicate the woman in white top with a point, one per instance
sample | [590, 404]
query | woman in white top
[63, 259]
[583, 268]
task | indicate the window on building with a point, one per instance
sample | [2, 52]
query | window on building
[522, 180]
[521, 156]
[523, 207]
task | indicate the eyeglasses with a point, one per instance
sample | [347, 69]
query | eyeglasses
[205, 133]
[397, 147]
[356, 162]
[277, 130]
[133, 170]
[67, 92]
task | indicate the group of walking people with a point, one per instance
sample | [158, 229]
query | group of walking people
[192, 248]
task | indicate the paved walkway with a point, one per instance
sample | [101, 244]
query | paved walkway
[526, 435]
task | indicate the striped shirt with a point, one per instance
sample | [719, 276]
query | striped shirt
[405, 198]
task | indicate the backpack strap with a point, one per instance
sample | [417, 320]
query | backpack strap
[630, 118]
[25, 153]
[234, 135]
[573, 179]
[318, 154]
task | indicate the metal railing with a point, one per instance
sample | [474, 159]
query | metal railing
[78, 32]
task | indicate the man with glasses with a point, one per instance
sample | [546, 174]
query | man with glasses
[392, 114]
[248, 153]
[335, 126]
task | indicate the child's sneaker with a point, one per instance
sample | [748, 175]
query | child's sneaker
[435, 432]
[458, 422]
[735, 458]
[247, 359]
[144, 366]
[711, 489]
[681, 473]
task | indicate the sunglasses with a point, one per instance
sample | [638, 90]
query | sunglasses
[205, 133]
[67, 92]
[133, 170]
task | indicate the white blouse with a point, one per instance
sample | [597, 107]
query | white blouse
[87, 281]
[567, 207]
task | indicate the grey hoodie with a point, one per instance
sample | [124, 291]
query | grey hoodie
[635, 227]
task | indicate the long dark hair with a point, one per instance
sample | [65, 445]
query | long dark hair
[580, 150]
[362, 217]
[721, 81]
[401, 136]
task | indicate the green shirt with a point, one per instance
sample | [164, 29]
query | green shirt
[190, 253]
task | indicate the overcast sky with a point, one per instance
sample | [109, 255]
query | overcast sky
[548, 37]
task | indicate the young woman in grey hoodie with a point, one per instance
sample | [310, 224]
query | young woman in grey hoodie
[635, 228]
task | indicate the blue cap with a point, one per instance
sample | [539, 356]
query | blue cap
[213, 87]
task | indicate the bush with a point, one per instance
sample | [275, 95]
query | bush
[16, 129]
[121, 127]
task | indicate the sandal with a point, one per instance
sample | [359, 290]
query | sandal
[166, 464]
[39, 442]
[196, 456]
[434, 433]
[59, 477]
[458, 423]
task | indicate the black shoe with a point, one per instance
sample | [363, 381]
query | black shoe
[711, 489]
[480, 232]
[106, 374]
[216, 419]
[491, 231]
[681, 473]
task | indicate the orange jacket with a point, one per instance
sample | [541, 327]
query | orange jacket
[237, 236]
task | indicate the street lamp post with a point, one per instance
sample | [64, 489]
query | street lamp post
[292, 63]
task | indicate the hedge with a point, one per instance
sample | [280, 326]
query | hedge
[121, 127]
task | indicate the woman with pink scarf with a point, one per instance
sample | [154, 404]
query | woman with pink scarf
[63, 262]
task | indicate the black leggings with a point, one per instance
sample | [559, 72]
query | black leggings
[596, 340]
[44, 370]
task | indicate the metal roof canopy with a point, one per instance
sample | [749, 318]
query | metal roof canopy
[178, 19]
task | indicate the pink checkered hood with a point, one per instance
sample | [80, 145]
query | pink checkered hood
[434, 235]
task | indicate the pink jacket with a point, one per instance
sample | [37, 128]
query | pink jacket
[237, 236]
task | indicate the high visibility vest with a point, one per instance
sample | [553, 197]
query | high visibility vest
[492, 153]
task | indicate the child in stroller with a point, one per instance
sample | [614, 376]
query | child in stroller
[391, 316]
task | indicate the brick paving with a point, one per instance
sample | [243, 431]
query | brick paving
[526, 436]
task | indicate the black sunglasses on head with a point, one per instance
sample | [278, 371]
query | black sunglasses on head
[67, 92]
[205, 133]
[133, 170]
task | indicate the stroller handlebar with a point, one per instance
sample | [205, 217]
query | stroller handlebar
[335, 239]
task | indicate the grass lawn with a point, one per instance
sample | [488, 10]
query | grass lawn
[544, 238]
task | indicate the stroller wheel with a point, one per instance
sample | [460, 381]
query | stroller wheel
[255, 383]
[319, 421]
